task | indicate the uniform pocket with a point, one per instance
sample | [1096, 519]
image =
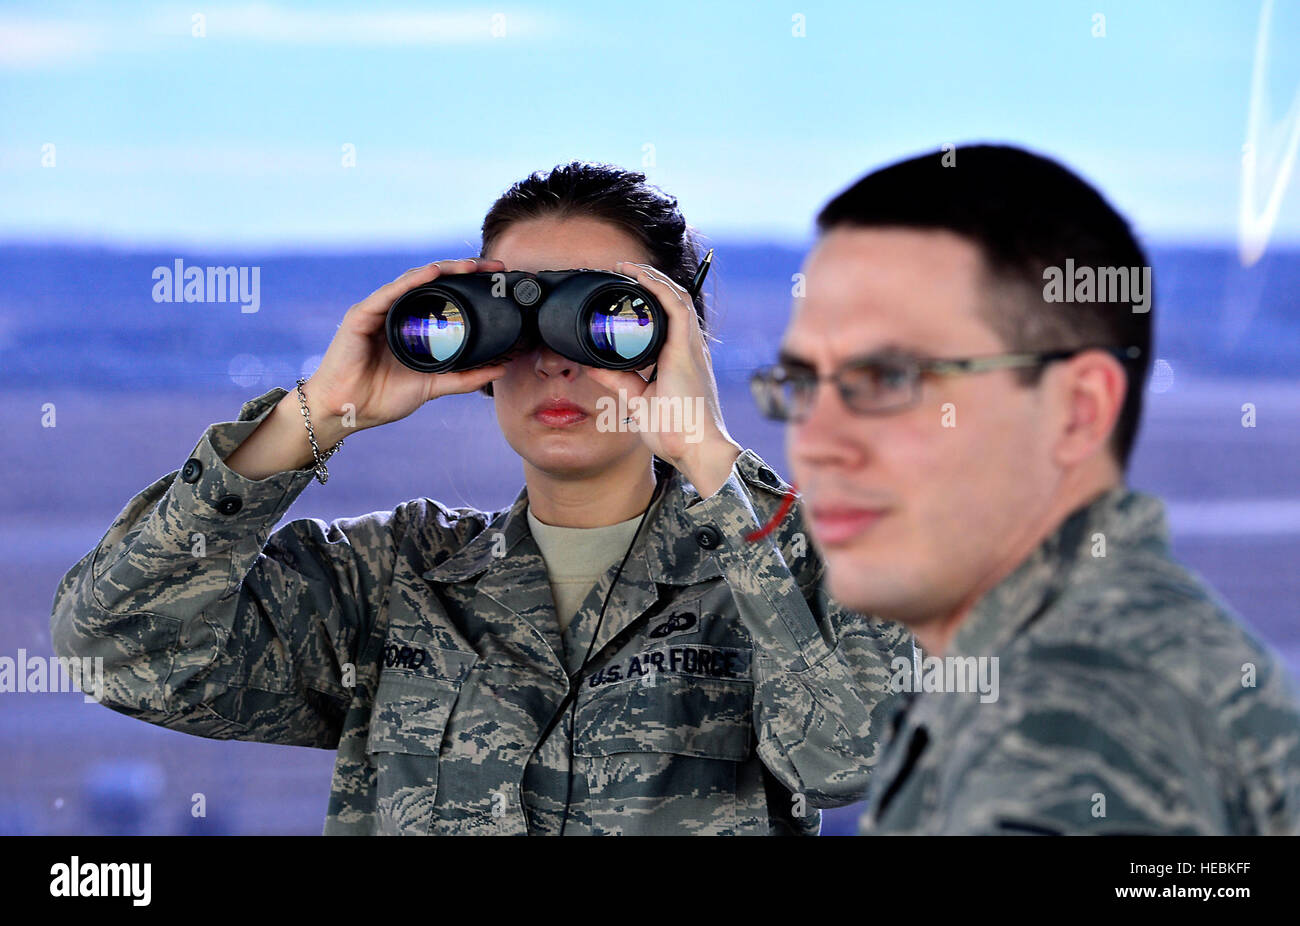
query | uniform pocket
[407, 725]
[663, 759]
[678, 714]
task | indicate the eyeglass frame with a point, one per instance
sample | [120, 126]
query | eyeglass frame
[934, 366]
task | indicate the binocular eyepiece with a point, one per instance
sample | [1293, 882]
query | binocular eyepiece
[463, 321]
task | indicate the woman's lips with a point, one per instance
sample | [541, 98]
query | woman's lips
[838, 526]
[559, 414]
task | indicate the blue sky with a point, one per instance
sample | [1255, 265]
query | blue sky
[236, 138]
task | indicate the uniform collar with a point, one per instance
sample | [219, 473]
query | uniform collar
[670, 555]
[1119, 518]
[501, 535]
[1128, 521]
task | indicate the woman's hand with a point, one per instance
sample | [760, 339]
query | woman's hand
[360, 371]
[697, 443]
[359, 383]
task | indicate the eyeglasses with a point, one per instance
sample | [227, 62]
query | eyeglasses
[887, 382]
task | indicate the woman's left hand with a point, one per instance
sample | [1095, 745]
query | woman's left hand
[678, 415]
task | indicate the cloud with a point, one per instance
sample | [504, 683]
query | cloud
[264, 23]
[29, 43]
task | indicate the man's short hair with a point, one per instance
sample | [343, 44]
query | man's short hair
[1026, 213]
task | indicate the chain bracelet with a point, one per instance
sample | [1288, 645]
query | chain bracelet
[322, 472]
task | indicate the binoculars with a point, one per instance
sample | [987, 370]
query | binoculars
[463, 321]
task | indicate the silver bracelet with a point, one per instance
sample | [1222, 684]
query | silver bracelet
[322, 473]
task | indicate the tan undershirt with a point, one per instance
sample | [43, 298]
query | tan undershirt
[576, 557]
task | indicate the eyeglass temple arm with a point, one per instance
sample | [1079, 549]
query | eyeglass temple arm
[1007, 361]
[981, 364]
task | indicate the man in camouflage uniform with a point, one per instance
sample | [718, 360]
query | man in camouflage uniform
[726, 693]
[968, 480]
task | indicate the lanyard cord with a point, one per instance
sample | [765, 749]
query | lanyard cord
[574, 687]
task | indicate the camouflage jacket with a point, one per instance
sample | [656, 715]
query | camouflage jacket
[1128, 700]
[726, 693]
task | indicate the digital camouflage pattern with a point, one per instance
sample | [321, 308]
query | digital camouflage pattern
[726, 693]
[1130, 701]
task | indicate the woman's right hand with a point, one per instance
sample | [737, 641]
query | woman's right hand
[359, 374]
[359, 383]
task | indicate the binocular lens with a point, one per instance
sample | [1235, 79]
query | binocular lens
[467, 320]
[621, 326]
[437, 335]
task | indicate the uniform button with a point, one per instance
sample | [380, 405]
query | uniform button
[708, 537]
[767, 476]
[230, 504]
[192, 470]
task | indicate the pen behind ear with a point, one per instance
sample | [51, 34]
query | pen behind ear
[697, 282]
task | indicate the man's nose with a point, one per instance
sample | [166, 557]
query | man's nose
[829, 434]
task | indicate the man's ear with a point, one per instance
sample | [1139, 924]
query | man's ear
[1094, 385]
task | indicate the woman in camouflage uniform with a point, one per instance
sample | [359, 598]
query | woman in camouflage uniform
[703, 684]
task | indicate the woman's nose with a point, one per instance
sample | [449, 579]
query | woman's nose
[549, 363]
